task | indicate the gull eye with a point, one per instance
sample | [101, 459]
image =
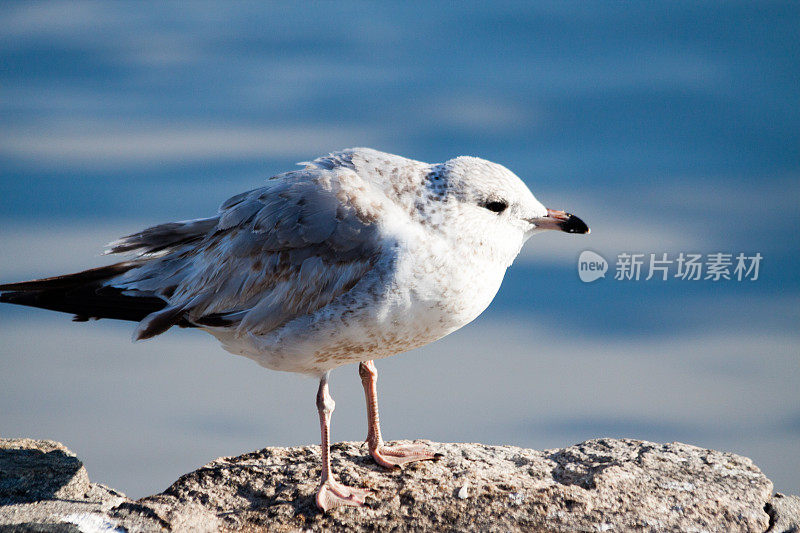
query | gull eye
[495, 206]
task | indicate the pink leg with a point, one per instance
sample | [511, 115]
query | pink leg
[331, 493]
[386, 456]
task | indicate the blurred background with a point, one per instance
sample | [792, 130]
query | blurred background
[667, 126]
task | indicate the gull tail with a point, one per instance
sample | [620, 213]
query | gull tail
[85, 294]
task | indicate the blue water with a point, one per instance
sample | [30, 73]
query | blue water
[681, 118]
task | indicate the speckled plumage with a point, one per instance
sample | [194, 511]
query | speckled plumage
[359, 255]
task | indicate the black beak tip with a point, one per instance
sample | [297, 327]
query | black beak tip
[574, 225]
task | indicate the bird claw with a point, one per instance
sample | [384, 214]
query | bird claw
[394, 456]
[332, 494]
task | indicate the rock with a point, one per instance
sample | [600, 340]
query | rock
[40, 479]
[33, 470]
[598, 485]
[784, 514]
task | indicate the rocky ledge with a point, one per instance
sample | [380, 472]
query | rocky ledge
[598, 485]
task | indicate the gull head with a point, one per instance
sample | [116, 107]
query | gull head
[492, 206]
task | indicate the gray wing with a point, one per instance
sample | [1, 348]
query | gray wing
[270, 255]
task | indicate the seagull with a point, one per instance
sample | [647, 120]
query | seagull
[357, 256]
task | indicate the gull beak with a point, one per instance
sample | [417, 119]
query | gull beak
[561, 221]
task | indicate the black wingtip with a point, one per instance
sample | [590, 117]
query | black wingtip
[84, 295]
[70, 281]
[10, 297]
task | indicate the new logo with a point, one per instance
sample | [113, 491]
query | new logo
[591, 266]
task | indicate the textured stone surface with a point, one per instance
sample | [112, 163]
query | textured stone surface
[37, 470]
[42, 482]
[784, 514]
[599, 485]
